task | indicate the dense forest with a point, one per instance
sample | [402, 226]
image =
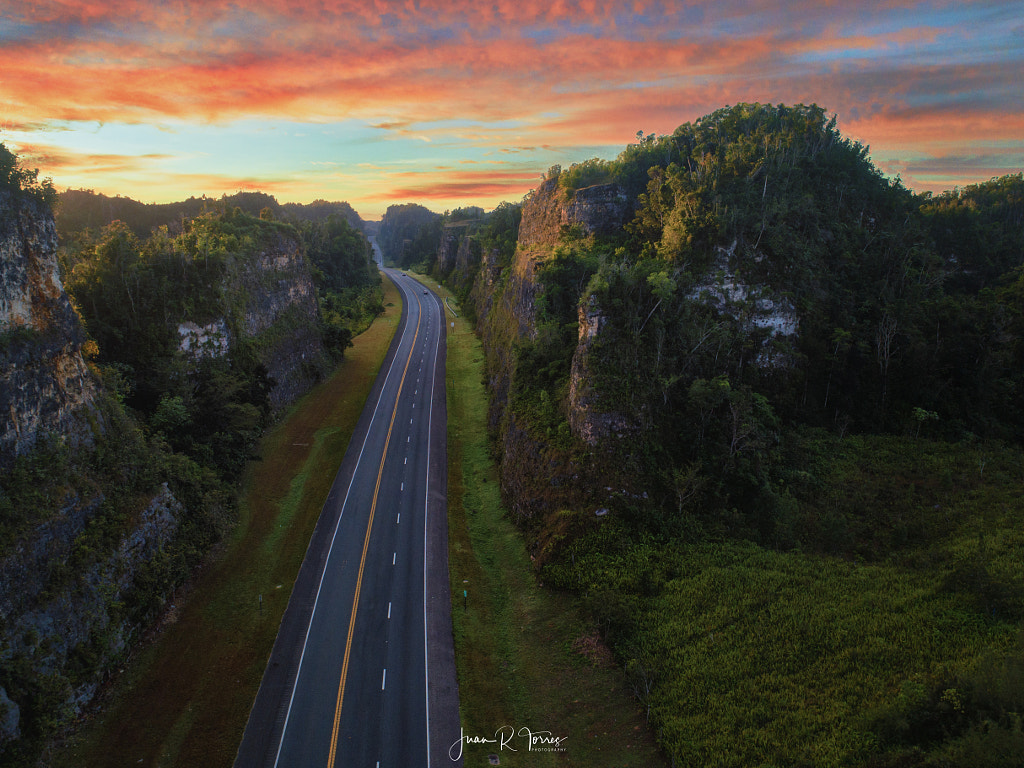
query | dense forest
[409, 235]
[82, 209]
[185, 418]
[770, 431]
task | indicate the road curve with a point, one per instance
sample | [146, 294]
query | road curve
[362, 672]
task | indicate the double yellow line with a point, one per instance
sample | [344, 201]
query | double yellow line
[366, 546]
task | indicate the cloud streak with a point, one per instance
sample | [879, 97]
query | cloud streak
[530, 77]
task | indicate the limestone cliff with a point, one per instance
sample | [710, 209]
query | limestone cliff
[534, 478]
[45, 385]
[459, 255]
[62, 587]
[549, 214]
[282, 315]
[587, 421]
[268, 300]
[53, 619]
[459, 251]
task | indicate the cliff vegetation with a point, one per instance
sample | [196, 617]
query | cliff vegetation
[759, 406]
[136, 373]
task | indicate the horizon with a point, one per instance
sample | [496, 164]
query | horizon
[449, 104]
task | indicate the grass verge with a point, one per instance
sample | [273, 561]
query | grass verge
[184, 699]
[526, 657]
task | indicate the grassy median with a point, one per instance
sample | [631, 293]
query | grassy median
[526, 657]
[184, 699]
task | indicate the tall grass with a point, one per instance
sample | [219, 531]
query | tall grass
[888, 633]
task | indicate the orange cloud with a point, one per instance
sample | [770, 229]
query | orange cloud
[486, 186]
[516, 77]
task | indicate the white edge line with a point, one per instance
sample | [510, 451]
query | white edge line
[323, 573]
[426, 507]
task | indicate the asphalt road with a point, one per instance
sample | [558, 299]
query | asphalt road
[362, 672]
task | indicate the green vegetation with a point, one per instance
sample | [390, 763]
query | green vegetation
[347, 279]
[801, 536]
[493, 236]
[18, 180]
[525, 655]
[409, 235]
[133, 294]
[872, 635]
[119, 476]
[172, 706]
[192, 421]
[78, 210]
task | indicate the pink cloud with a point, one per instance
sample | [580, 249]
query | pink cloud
[528, 73]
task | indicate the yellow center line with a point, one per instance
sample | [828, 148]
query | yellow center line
[366, 546]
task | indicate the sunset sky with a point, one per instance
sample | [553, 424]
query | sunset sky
[455, 103]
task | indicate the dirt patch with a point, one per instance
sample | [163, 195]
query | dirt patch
[593, 649]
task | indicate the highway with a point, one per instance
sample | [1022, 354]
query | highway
[362, 673]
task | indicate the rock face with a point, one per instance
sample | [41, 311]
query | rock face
[451, 237]
[282, 314]
[271, 300]
[45, 386]
[48, 618]
[458, 254]
[599, 210]
[549, 214]
[61, 594]
[505, 302]
[585, 420]
[199, 341]
[753, 306]
[534, 479]
[468, 255]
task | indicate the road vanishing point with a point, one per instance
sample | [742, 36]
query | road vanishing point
[362, 673]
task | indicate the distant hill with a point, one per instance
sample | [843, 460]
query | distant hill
[79, 209]
[409, 234]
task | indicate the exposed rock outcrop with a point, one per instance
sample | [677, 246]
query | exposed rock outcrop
[270, 299]
[45, 385]
[49, 615]
[586, 421]
[199, 341]
[468, 255]
[458, 255]
[534, 479]
[753, 306]
[451, 236]
[550, 213]
[281, 313]
[62, 593]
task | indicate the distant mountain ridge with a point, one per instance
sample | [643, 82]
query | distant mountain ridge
[79, 209]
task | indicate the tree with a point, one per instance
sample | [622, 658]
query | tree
[19, 180]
